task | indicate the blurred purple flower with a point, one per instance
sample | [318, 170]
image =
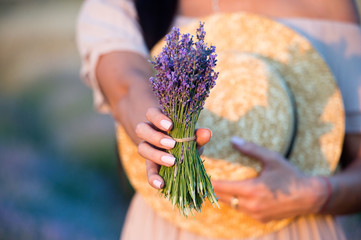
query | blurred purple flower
[185, 75]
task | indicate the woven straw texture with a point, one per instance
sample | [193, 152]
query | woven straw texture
[258, 59]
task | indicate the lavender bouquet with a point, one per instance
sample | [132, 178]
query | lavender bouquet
[184, 78]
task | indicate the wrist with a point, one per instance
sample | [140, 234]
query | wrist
[326, 201]
[319, 193]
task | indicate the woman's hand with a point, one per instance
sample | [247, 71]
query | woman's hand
[280, 191]
[156, 141]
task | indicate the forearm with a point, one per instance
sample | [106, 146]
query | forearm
[346, 190]
[123, 79]
[346, 185]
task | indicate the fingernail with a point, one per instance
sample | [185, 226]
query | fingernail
[167, 142]
[168, 159]
[166, 124]
[238, 141]
[157, 183]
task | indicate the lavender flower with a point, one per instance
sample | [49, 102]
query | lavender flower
[185, 75]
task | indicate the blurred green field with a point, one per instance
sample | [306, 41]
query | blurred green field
[59, 172]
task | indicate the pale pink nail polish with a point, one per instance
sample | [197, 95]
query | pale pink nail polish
[166, 124]
[157, 183]
[238, 141]
[167, 142]
[168, 159]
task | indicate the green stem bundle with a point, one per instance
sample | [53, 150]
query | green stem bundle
[186, 183]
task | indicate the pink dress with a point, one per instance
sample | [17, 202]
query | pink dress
[111, 25]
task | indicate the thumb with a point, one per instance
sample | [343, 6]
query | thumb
[203, 136]
[253, 150]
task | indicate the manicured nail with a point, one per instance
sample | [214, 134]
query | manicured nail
[165, 124]
[168, 159]
[167, 142]
[238, 141]
[157, 183]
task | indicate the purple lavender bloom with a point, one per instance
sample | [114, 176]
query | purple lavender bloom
[185, 74]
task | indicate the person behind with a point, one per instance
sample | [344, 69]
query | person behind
[115, 64]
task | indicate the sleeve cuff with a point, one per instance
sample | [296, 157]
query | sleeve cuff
[88, 71]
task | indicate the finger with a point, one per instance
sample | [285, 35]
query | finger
[153, 177]
[227, 199]
[203, 136]
[150, 153]
[242, 188]
[154, 137]
[156, 117]
[253, 150]
[256, 211]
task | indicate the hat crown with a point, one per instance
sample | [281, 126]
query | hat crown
[250, 100]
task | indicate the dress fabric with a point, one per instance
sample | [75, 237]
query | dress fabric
[143, 223]
[111, 25]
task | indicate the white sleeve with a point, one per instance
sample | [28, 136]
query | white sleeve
[104, 26]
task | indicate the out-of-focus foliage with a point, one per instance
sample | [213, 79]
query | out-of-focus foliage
[58, 162]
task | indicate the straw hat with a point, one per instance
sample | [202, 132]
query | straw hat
[273, 89]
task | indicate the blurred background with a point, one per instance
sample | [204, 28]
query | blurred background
[59, 173]
[58, 165]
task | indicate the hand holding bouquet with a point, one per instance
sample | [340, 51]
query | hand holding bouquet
[185, 75]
